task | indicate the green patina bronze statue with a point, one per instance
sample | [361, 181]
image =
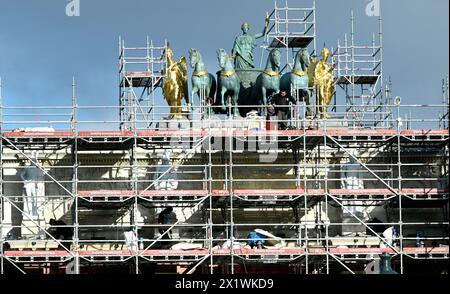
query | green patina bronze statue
[203, 82]
[297, 81]
[268, 82]
[228, 83]
[243, 47]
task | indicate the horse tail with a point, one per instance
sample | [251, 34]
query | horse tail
[213, 88]
[218, 101]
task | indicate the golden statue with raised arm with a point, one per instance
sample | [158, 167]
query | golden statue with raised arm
[175, 84]
[321, 77]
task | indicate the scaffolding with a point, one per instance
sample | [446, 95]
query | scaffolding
[445, 101]
[291, 28]
[141, 70]
[107, 181]
[359, 73]
[102, 183]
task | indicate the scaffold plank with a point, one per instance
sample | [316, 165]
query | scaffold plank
[291, 42]
[105, 134]
[156, 193]
[266, 192]
[138, 74]
[288, 251]
[177, 133]
[37, 253]
[329, 132]
[425, 132]
[196, 252]
[405, 191]
[147, 193]
[226, 132]
[103, 193]
[38, 134]
[143, 252]
[358, 79]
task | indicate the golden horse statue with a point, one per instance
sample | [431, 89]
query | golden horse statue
[175, 84]
[321, 78]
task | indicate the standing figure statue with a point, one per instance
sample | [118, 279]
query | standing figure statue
[175, 85]
[297, 81]
[228, 82]
[203, 83]
[244, 45]
[268, 82]
[321, 74]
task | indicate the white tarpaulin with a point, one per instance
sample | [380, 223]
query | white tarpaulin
[131, 240]
[166, 174]
[352, 179]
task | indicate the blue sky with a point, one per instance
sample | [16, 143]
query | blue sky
[41, 48]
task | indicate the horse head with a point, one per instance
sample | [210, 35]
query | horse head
[303, 58]
[194, 57]
[275, 58]
[223, 58]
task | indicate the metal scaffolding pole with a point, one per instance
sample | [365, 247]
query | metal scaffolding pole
[231, 185]
[359, 73]
[1, 182]
[326, 205]
[399, 171]
[134, 188]
[75, 220]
